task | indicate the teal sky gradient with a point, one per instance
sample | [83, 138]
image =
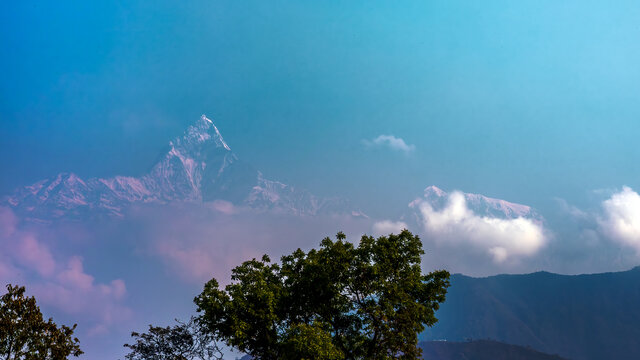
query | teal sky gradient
[521, 100]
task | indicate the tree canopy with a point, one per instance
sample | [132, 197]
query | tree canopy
[25, 335]
[340, 301]
[184, 341]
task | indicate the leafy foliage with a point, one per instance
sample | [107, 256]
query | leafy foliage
[338, 302]
[25, 335]
[310, 342]
[184, 341]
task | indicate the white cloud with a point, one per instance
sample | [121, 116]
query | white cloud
[224, 207]
[26, 260]
[621, 221]
[572, 210]
[386, 227]
[198, 243]
[391, 142]
[456, 225]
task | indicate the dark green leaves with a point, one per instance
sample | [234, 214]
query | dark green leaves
[25, 335]
[340, 301]
[184, 341]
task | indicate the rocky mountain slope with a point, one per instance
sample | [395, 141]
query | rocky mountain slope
[198, 166]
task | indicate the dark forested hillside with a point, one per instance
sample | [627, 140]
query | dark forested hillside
[579, 317]
[476, 350]
[480, 350]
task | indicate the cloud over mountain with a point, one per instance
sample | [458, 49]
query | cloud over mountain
[386, 227]
[504, 231]
[57, 281]
[621, 218]
[196, 243]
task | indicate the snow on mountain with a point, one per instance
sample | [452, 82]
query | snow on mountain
[268, 194]
[479, 204]
[198, 166]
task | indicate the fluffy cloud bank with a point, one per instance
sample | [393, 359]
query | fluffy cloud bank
[61, 284]
[621, 219]
[199, 242]
[504, 239]
[391, 142]
[387, 227]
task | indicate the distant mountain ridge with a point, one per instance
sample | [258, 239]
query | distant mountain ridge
[580, 317]
[198, 166]
[480, 350]
[479, 204]
[475, 350]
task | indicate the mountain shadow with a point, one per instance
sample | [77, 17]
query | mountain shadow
[480, 350]
[581, 317]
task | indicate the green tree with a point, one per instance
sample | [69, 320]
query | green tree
[25, 335]
[340, 301]
[184, 341]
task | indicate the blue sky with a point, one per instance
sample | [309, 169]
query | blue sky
[525, 100]
[535, 102]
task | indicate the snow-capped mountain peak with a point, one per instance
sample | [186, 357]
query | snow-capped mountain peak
[218, 136]
[192, 158]
[198, 166]
[479, 204]
[202, 132]
[431, 191]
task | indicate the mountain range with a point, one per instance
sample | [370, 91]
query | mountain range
[198, 166]
[475, 350]
[479, 204]
[580, 317]
[480, 350]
